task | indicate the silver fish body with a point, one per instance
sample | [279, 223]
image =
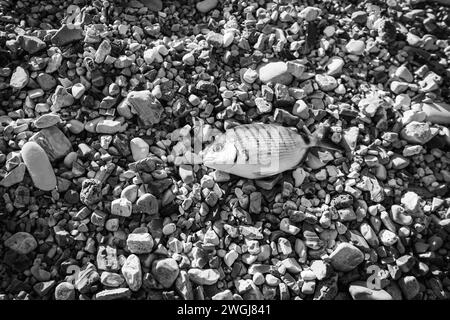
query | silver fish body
[256, 151]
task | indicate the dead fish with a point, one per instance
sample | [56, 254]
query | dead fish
[258, 150]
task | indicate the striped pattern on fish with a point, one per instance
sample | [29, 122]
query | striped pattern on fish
[256, 150]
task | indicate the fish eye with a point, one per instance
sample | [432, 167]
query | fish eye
[217, 147]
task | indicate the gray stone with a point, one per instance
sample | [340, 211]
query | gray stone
[53, 141]
[21, 242]
[166, 272]
[132, 272]
[346, 257]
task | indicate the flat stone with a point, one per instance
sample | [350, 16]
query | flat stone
[13, 177]
[132, 272]
[205, 277]
[153, 5]
[21, 242]
[206, 5]
[65, 36]
[346, 257]
[359, 17]
[145, 105]
[19, 78]
[53, 141]
[38, 165]
[359, 291]
[309, 13]
[31, 44]
[224, 295]
[113, 294]
[296, 68]
[165, 271]
[47, 120]
[108, 126]
[139, 243]
[111, 279]
[276, 72]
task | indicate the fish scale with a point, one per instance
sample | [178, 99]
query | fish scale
[256, 142]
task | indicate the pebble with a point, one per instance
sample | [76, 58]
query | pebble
[21, 242]
[78, 90]
[387, 237]
[276, 72]
[31, 44]
[145, 105]
[205, 277]
[147, 203]
[113, 294]
[355, 47]
[65, 291]
[165, 271]
[359, 291]
[186, 173]
[410, 286]
[411, 203]
[13, 177]
[417, 132]
[230, 257]
[404, 74]
[132, 272]
[154, 5]
[309, 13]
[47, 120]
[206, 5]
[64, 36]
[139, 148]
[53, 141]
[38, 166]
[326, 82]
[112, 280]
[438, 113]
[346, 257]
[335, 65]
[224, 295]
[19, 78]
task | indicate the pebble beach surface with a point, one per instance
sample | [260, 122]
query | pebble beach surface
[103, 191]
